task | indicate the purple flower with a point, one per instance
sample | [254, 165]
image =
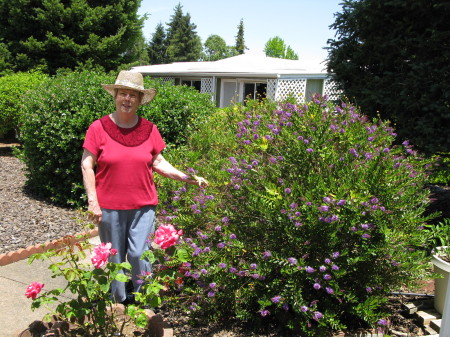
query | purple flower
[341, 202]
[317, 286]
[309, 269]
[329, 290]
[286, 306]
[334, 267]
[233, 270]
[218, 228]
[322, 268]
[327, 277]
[309, 150]
[353, 152]
[369, 289]
[324, 208]
[211, 294]
[276, 299]
[212, 285]
[327, 200]
[382, 322]
[265, 312]
[267, 254]
[385, 150]
[327, 261]
[304, 308]
[225, 219]
[203, 271]
[366, 236]
[335, 255]
[232, 236]
[317, 315]
[222, 265]
[288, 190]
[253, 266]
[292, 260]
[221, 245]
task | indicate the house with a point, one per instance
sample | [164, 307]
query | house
[250, 75]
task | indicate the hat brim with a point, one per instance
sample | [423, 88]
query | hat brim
[149, 94]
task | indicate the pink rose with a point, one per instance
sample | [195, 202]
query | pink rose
[166, 236]
[100, 254]
[33, 290]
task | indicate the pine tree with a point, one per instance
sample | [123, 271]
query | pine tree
[65, 34]
[183, 42]
[157, 48]
[240, 44]
[393, 59]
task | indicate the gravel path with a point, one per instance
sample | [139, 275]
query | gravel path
[24, 220]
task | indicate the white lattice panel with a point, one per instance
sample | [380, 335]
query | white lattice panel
[331, 90]
[207, 85]
[168, 79]
[294, 88]
[271, 89]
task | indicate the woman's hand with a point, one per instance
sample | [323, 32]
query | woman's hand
[94, 213]
[201, 182]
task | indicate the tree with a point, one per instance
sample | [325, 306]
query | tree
[183, 42]
[157, 48]
[393, 59]
[240, 44]
[275, 47]
[54, 34]
[215, 48]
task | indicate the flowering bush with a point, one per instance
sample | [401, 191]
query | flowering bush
[89, 288]
[314, 216]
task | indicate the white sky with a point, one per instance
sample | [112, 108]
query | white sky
[302, 24]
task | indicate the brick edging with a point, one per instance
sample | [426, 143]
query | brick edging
[25, 253]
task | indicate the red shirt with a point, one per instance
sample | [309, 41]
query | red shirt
[124, 175]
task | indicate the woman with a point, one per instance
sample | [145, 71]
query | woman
[121, 151]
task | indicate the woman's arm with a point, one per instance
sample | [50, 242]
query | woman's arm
[164, 168]
[88, 162]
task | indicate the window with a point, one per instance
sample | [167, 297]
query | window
[197, 84]
[255, 91]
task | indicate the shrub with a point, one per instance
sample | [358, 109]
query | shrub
[13, 87]
[55, 119]
[314, 217]
[177, 110]
[441, 171]
[57, 114]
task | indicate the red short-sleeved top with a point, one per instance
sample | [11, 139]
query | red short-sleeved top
[124, 175]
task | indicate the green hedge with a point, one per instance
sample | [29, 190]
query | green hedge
[12, 90]
[57, 114]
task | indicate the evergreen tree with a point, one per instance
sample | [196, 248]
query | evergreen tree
[65, 34]
[275, 47]
[240, 44]
[157, 48]
[183, 42]
[393, 58]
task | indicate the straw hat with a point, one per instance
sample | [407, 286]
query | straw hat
[131, 80]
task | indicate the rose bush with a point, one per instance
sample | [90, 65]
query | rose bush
[167, 236]
[88, 289]
[312, 214]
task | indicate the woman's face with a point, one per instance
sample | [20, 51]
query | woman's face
[127, 101]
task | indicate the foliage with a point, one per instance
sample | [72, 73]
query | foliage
[215, 48]
[89, 289]
[157, 48]
[54, 121]
[13, 88]
[5, 59]
[276, 47]
[57, 114]
[240, 41]
[183, 43]
[311, 214]
[49, 35]
[176, 110]
[390, 57]
[441, 171]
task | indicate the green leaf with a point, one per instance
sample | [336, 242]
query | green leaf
[121, 277]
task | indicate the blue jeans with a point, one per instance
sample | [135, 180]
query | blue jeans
[128, 232]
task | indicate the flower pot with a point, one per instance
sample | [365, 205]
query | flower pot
[441, 267]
